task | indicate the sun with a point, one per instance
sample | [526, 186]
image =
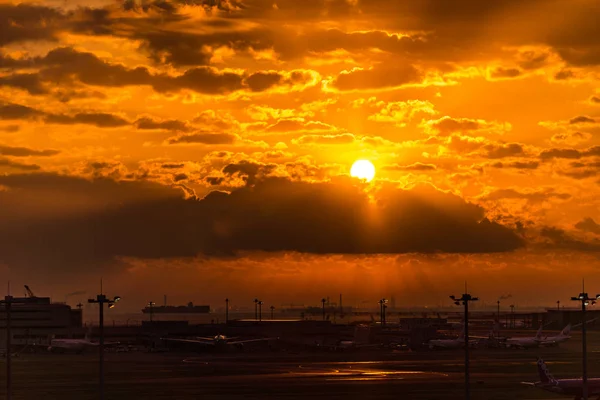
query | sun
[363, 169]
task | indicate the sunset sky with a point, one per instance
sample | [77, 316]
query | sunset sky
[202, 148]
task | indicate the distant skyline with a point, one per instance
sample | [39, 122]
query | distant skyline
[202, 148]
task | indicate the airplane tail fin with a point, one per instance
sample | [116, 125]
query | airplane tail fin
[566, 331]
[545, 375]
[362, 334]
[538, 335]
[461, 336]
[88, 333]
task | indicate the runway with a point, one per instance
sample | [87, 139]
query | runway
[495, 374]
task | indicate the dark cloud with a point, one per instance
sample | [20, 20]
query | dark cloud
[582, 119]
[249, 171]
[344, 138]
[447, 125]
[262, 81]
[570, 137]
[179, 177]
[534, 196]
[23, 22]
[595, 99]
[17, 165]
[533, 60]
[26, 152]
[268, 215]
[16, 111]
[101, 120]
[588, 225]
[172, 166]
[501, 72]
[29, 82]
[503, 150]
[564, 75]
[298, 124]
[169, 125]
[10, 128]
[580, 174]
[517, 165]
[378, 77]
[204, 138]
[67, 67]
[411, 167]
[570, 153]
[559, 239]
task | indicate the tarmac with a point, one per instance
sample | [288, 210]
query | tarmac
[361, 374]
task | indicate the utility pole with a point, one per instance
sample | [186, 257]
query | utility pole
[272, 309]
[465, 299]
[226, 311]
[256, 309]
[585, 301]
[260, 303]
[101, 299]
[323, 300]
[558, 305]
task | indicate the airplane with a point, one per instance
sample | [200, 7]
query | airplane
[563, 336]
[450, 343]
[361, 339]
[568, 387]
[217, 342]
[77, 346]
[526, 342]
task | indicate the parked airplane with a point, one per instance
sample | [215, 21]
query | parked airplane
[448, 343]
[362, 338]
[218, 341]
[75, 345]
[569, 387]
[526, 342]
[563, 336]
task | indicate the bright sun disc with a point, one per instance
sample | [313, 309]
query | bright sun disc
[363, 169]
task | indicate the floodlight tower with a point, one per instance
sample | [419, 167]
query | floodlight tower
[465, 299]
[101, 299]
[585, 301]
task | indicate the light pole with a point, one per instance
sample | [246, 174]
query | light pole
[465, 299]
[585, 301]
[512, 316]
[101, 300]
[226, 311]
[323, 307]
[260, 303]
[558, 305]
[382, 307]
[272, 309]
[256, 309]
[498, 318]
[151, 304]
[8, 300]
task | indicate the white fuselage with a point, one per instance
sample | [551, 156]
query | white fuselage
[553, 340]
[446, 343]
[76, 345]
[525, 343]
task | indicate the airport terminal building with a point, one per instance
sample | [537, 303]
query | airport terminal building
[35, 320]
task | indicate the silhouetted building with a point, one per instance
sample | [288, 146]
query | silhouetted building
[36, 319]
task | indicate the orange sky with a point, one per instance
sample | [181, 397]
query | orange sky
[118, 118]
